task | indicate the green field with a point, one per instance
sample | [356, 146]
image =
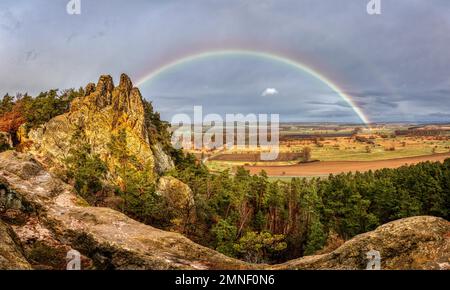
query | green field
[346, 149]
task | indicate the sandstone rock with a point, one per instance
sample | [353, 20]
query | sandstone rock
[163, 162]
[5, 141]
[177, 194]
[413, 243]
[90, 88]
[11, 256]
[108, 238]
[101, 114]
[21, 134]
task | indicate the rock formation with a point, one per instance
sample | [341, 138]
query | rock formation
[49, 220]
[43, 219]
[5, 141]
[176, 192]
[11, 255]
[411, 243]
[103, 112]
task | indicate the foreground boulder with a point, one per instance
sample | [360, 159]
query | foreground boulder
[43, 219]
[412, 243]
[175, 192]
[46, 214]
[11, 255]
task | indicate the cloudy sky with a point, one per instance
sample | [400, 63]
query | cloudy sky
[395, 66]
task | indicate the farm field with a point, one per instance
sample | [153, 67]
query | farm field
[336, 167]
[338, 149]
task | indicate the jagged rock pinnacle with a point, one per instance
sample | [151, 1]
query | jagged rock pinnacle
[105, 84]
[101, 114]
[90, 88]
[125, 83]
[123, 98]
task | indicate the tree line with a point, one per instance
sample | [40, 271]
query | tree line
[286, 220]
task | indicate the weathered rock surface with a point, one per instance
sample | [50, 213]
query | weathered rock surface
[57, 218]
[46, 219]
[11, 256]
[413, 243]
[175, 192]
[163, 162]
[5, 141]
[102, 113]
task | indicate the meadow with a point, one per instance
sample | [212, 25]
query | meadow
[336, 144]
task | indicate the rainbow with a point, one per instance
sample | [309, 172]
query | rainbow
[270, 56]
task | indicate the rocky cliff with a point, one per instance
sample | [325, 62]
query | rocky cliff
[103, 112]
[42, 219]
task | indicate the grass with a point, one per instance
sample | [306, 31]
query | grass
[357, 151]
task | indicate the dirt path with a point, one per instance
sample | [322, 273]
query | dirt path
[335, 167]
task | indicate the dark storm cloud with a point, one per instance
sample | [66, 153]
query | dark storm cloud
[366, 101]
[31, 55]
[440, 115]
[395, 65]
[328, 104]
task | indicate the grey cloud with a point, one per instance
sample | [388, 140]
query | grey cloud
[395, 65]
[31, 55]
[338, 103]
